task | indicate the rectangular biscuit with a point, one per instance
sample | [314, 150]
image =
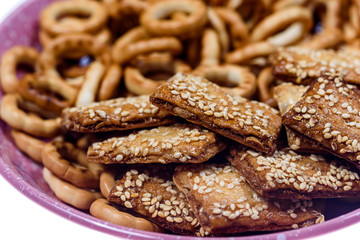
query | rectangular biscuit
[289, 175]
[177, 143]
[302, 65]
[224, 202]
[202, 102]
[115, 114]
[328, 114]
[149, 190]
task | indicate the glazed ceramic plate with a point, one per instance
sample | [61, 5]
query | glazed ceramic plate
[20, 28]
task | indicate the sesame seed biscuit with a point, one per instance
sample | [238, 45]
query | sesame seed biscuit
[286, 95]
[115, 114]
[302, 65]
[289, 175]
[225, 203]
[328, 114]
[177, 143]
[149, 191]
[202, 102]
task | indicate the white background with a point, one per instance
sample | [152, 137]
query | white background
[21, 218]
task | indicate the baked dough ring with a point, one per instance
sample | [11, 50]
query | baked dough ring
[298, 19]
[102, 209]
[10, 59]
[68, 193]
[49, 18]
[69, 163]
[17, 118]
[137, 83]
[152, 18]
[241, 80]
[29, 145]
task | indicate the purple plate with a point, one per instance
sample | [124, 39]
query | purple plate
[20, 28]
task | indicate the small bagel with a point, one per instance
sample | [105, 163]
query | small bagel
[153, 18]
[241, 80]
[68, 193]
[29, 145]
[10, 60]
[69, 163]
[51, 22]
[31, 123]
[102, 209]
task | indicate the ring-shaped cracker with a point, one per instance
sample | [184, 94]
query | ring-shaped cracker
[264, 81]
[17, 118]
[211, 50]
[74, 45]
[102, 209]
[69, 163]
[110, 82]
[52, 23]
[10, 60]
[29, 145]
[219, 26]
[158, 44]
[137, 83]
[48, 95]
[250, 52]
[68, 193]
[153, 18]
[233, 79]
[103, 36]
[89, 88]
[298, 21]
[238, 30]
[328, 38]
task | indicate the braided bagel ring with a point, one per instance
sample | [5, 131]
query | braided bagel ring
[210, 52]
[159, 44]
[264, 81]
[10, 59]
[297, 18]
[29, 145]
[69, 163]
[138, 84]
[103, 210]
[68, 193]
[242, 82]
[30, 123]
[50, 15]
[110, 82]
[44, 93]
[249, 52]
[152, 18]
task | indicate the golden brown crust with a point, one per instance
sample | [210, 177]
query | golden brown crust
[178, 143]
[302, 65]
[286, 95]
[150, 192]
[289, 175]
[199, 101]
[328, 114]
[225, 204]
[115, 114]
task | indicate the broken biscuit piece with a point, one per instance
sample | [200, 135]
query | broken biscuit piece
[149, 191]
[224, 202]
[302, 65]
[200, 101]
[178, 143]
[115, 114]
[289, 175]
[328, 115]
